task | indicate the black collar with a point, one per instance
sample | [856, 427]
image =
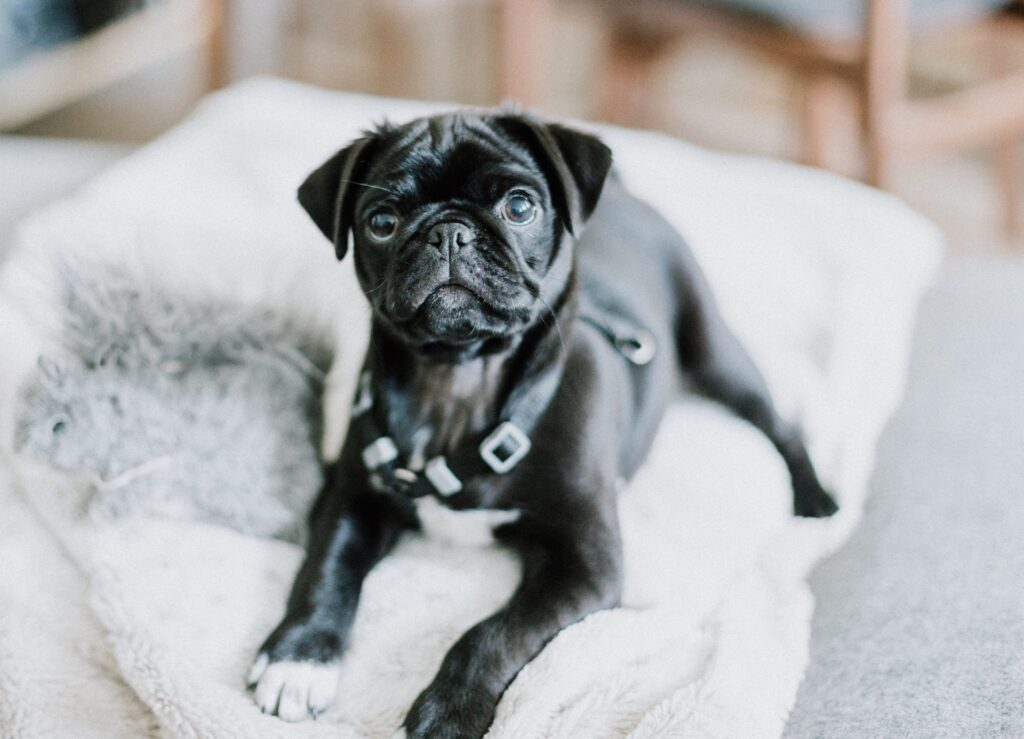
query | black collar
[495, 452]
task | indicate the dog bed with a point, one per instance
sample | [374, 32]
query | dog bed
[141, 623]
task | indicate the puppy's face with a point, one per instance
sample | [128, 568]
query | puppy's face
[459, 222]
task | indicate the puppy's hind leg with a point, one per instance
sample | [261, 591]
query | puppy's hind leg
[722, 370]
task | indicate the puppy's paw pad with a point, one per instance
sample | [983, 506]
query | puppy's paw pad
[294, 691]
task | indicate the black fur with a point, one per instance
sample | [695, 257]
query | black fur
[468, 307]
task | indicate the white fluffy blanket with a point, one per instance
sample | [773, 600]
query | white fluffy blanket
[145, 627]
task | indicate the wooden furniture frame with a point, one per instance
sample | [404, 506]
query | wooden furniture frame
[872, 70]
[522, 29]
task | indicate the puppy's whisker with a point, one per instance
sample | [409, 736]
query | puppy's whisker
[554, 319]
[380, 285]
[374, 187]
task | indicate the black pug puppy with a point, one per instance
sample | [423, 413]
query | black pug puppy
[530, 321]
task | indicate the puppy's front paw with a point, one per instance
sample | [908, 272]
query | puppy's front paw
[294, 691]
[455, 712]
[810, 500]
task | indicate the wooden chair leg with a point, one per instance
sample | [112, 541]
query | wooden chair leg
[389, 44]
[392, 44]
[216, 45]
[1007, 161]
[877, 124]
[1008, 166]
[824, 103]
[884, 91]
[880, 156]
[524, 25]
[813, 120]
[631, 60]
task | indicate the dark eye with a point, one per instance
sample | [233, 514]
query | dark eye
[382, 224]
[59, 424]
[518, 209]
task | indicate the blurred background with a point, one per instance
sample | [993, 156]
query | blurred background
[923, 98]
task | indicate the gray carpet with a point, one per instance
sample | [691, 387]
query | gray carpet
[919, 629]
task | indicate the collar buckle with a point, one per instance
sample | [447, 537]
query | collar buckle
[380, 452]
[504, 447]
[440, 475]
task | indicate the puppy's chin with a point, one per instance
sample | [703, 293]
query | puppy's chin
[454, 317]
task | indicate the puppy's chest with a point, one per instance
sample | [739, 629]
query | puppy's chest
[448, 413]
[439, 521]
[436, 424]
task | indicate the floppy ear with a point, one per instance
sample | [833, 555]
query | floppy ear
[575, 163]
[327, 194]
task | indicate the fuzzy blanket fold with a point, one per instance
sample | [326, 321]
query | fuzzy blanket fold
[145, 626]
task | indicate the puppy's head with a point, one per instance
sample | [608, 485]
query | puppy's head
[459, 222]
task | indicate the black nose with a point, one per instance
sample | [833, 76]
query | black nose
[449, 237]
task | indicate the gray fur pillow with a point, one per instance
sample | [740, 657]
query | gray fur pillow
[177, 408]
